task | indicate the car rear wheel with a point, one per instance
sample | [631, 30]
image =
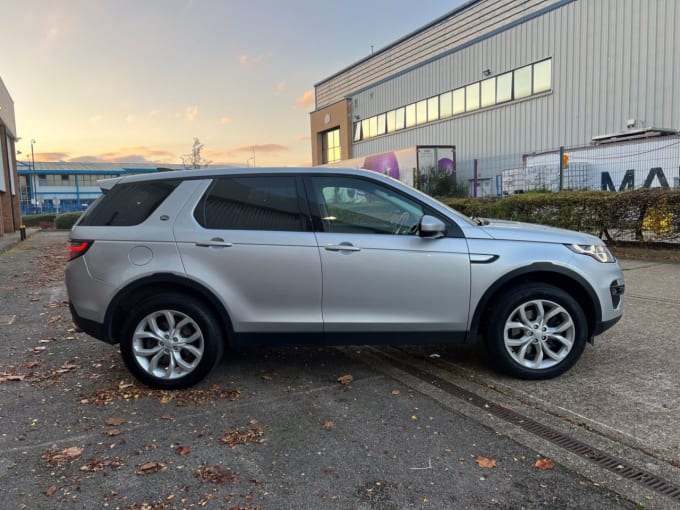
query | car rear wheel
[171, 342]
[536, 331]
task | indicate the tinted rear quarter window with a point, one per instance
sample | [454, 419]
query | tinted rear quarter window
[251, 203]
[128, 204]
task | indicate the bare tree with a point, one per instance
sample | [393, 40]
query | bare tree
[194, 160]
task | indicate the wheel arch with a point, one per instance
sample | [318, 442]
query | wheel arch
[541, 272]
[137, 291]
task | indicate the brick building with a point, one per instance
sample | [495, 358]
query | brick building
[10, 212]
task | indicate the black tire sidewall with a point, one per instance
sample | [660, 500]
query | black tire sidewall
[198, 312]
[507, 302]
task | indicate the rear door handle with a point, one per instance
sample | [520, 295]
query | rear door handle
[215, 241]
[342, 247]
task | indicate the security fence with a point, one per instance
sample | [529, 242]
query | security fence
[608, 166]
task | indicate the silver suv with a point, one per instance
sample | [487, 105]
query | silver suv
[175, 265]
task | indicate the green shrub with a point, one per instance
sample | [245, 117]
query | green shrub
[34, 220]
[642, 214]
[65, 221]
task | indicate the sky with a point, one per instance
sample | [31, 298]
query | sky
[137, 80]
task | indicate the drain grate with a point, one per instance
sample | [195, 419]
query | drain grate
[613, 464]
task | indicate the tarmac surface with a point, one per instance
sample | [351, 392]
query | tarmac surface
[275, 429]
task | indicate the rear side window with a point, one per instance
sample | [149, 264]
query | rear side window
[251, 203]
[128, 204]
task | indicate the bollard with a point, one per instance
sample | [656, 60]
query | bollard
[22, 232]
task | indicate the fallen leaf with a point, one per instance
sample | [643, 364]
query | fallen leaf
[182, 450]
[34, 299]
[112, 432]
[16, 377]
[124, 384]
[167, 398]
[166, 417]
[37, 350]
[237, 436]
[345, 379]
[266, 378]
[216, 474]
[32, 364]
[328, 424]
[51, 491]
[9, 289]
[149, 467]
[59, 457]
[253, 421]
[544, 464]
[396, 392]
[114, 421]
[485, 462]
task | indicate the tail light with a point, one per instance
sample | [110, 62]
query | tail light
[76, 248]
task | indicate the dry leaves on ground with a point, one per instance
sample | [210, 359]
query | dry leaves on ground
[100, 463]
[216, 474]
[485, 462]
[60, 457]
[236, 436]
[114, 421]
[345, 379]
[544, 464]
[149, 468]
[132, 391]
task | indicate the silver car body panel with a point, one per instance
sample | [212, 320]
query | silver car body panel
[394, 283]
[291, 282]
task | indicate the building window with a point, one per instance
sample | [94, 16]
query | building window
[458, 101]
[330, 146]
[381, 125]
[433, 109]
[542, 76]
[510, 86]
[504, 88]
[400, 114]
[488, 92]
[472, 97]
[446, 105]
[522, 85]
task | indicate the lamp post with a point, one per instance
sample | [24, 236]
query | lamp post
[35, 192]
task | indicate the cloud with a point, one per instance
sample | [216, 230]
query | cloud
[134, 154]
[225, 120]
[266, 147]
[304, 138]
[190, 113]
[51, 156]
[306, 100]
[253, 60]
[280, 87]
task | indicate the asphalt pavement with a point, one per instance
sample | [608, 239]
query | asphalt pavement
[282, 428]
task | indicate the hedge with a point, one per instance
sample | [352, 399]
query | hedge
[641, 215]
[34, 220]
[65, 221]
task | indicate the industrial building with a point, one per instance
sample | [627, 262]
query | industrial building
[10, 214]
[501, 80]
[54, 187]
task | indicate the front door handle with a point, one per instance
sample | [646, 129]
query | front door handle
[215, 241]
[342, 247]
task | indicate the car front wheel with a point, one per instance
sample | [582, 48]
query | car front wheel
[536, 331]
[171, 342]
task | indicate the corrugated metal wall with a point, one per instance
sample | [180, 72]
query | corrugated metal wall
[613, 60]
[478, 19]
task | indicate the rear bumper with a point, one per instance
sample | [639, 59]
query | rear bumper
[92, 328]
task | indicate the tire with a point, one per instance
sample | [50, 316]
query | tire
[164, 357]
[549, 334]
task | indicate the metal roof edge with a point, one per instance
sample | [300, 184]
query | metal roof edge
[472, 42]
[406, 37]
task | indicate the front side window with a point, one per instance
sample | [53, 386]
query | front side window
[251, 203]
[349, 205]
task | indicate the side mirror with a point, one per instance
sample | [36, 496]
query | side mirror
[431, 228]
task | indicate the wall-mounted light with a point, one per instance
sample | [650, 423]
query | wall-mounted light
[486, 73]
[357, 117]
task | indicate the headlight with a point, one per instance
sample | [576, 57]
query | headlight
[598, 251]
